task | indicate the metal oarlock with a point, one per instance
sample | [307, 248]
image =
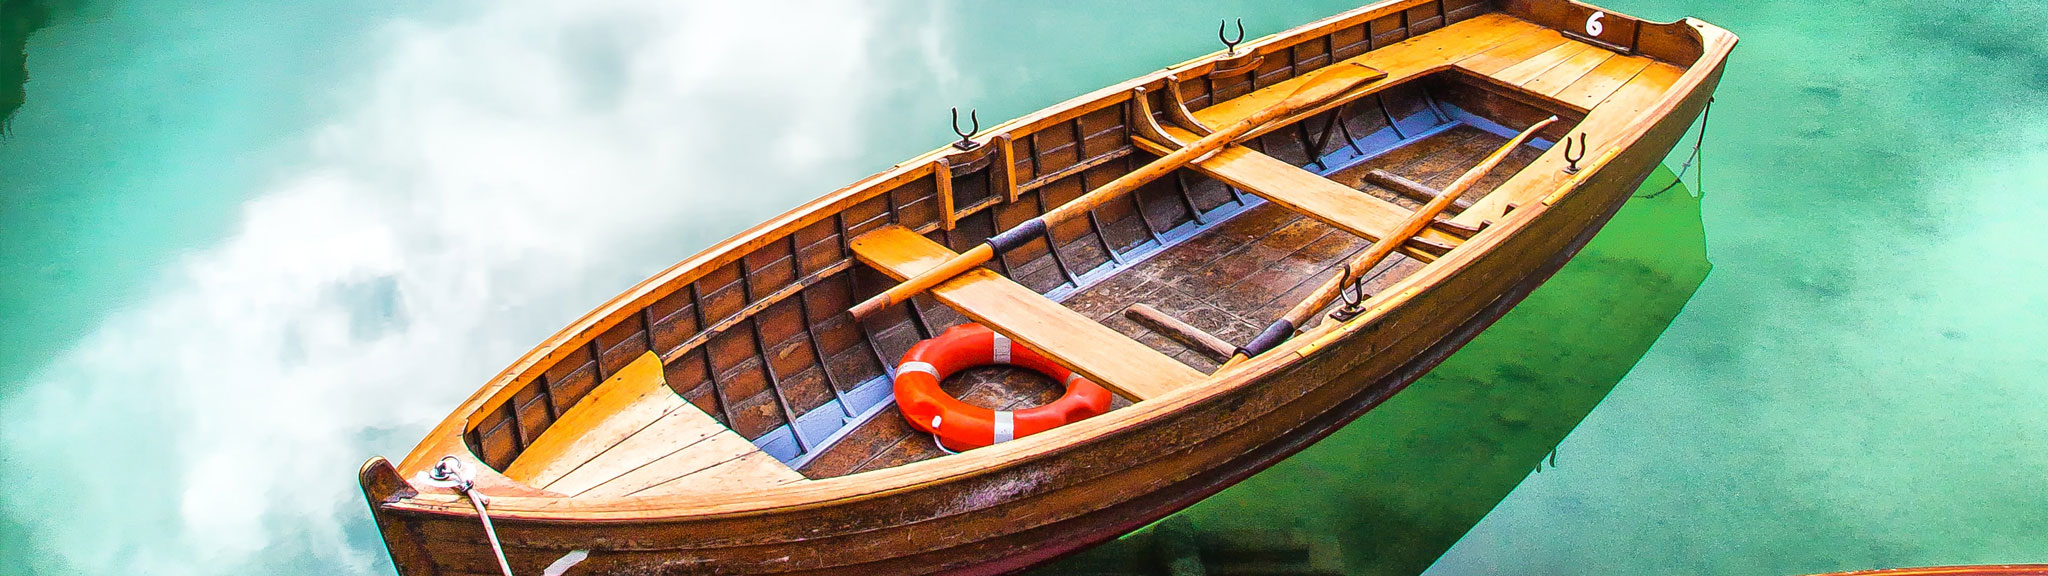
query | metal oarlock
[967, 138]
[1231, 45]
[1573, 161]
[1353, 296]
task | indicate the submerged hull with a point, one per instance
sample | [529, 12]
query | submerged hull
[1018, 504]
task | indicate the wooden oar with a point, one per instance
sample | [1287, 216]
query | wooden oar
[1328, 83]
[1284, 328]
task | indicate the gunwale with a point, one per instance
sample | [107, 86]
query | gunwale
[513, 504]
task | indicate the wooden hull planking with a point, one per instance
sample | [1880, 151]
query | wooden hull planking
[1029, 501]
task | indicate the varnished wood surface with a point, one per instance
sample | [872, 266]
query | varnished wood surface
[1416, 191]
[1304, 192]
[1186, 334]
[634, 434]
[619, 408]
[1402, 62]
[1530, 68]
[1601, 82]
[1497, 46]
[1515, 51]
[1080, 344]
[1023, 501]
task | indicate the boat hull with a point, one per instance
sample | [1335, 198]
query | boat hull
[1009, 519]
[1022, 503]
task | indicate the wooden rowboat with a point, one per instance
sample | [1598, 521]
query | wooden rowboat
[734, 415]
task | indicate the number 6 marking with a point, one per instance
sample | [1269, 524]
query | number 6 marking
[1593, 27]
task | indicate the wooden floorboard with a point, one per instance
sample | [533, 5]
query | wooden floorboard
[677, 431]
[1523, 47]
[622, 406]
[1601, 82]
[1520, 72]
[1252, 295]
[691, 458]
[1565, 73]
[1441, 168]
[751, 471]
[1248, 259]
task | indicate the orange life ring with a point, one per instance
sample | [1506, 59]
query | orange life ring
[962, 426]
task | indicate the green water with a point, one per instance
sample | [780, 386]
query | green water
[248, 244]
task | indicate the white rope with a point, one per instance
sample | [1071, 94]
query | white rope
[450, 469]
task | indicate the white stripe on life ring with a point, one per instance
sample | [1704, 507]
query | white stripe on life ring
[917, 367]
[1072, 376]
[1006, 426]
[1002, 350]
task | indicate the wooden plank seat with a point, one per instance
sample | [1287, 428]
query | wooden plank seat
[633, 436]
[1102, 355]
[1305, 192]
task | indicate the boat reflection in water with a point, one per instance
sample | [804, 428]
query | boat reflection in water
[1392, 491]
[17, 20]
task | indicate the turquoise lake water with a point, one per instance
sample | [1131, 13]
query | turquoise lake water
[247, 245]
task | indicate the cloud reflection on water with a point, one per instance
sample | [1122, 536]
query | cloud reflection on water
[496, 175]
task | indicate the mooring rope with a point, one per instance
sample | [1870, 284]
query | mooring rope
[451, 470]
[1700, 186]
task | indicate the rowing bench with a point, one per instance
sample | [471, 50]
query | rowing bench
[1104, 356]
[1307, 193]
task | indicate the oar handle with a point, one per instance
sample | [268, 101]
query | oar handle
[925, 281]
